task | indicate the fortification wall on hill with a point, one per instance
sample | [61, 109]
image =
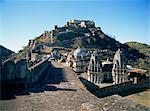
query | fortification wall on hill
[36, 71]
[19, 72]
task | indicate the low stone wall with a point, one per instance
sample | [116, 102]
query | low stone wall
[123, 88]
[19, 72]
[8, 70]
[36, 71]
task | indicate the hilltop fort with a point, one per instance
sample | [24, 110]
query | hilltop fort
[74, 67]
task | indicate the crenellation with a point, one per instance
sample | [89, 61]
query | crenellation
[8, 70]
[20, 70]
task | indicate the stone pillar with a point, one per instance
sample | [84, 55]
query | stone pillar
[89, 76]
[95, 77]
[92, 77]
[116, 81]
[56, 26]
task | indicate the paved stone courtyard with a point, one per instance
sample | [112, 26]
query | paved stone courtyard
[63, 91]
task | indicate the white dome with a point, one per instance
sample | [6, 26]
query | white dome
[79, 52]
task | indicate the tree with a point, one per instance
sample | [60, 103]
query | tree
[78, 42]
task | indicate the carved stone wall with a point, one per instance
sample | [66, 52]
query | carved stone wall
[95, 74]
[119, 70]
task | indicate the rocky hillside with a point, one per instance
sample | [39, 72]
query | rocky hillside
[85, 34]
[143, 63]
[143, 48]
[5, 53]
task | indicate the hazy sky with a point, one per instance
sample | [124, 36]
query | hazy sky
[21, 20]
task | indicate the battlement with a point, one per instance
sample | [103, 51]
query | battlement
[20, 71]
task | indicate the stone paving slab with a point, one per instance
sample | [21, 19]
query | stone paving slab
[113, 103]
[63, 91]
[67, 95]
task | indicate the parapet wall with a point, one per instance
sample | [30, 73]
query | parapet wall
[36, 71]
[109, 100]
[19, 72]
[122, 88]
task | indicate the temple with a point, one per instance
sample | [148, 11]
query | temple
[119, 70]
[94, 69]
[79, 60]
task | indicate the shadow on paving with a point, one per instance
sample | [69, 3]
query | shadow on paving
[56, 76]
[50, 88]
[50, 76]
[9, 91]
[94, 89]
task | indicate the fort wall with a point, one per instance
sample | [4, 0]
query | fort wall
[122, 88]
[19, 72]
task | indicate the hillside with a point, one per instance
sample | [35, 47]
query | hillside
[85, 34]
[143, 48]
[143, 63]
[5, 53]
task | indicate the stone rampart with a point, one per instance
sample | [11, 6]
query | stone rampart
[122, 88]
[19, 72]
[36, 71]
[21, 69]
[8, 70]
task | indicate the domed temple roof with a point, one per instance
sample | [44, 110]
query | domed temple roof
[79, 52]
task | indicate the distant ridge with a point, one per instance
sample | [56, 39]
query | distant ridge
[5, 53]
[142, 47]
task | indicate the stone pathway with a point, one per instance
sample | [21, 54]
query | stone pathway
[63, 91]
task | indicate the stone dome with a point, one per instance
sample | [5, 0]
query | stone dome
[79, 53]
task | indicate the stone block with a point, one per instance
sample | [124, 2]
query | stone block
[8, 70]
[21, 69]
